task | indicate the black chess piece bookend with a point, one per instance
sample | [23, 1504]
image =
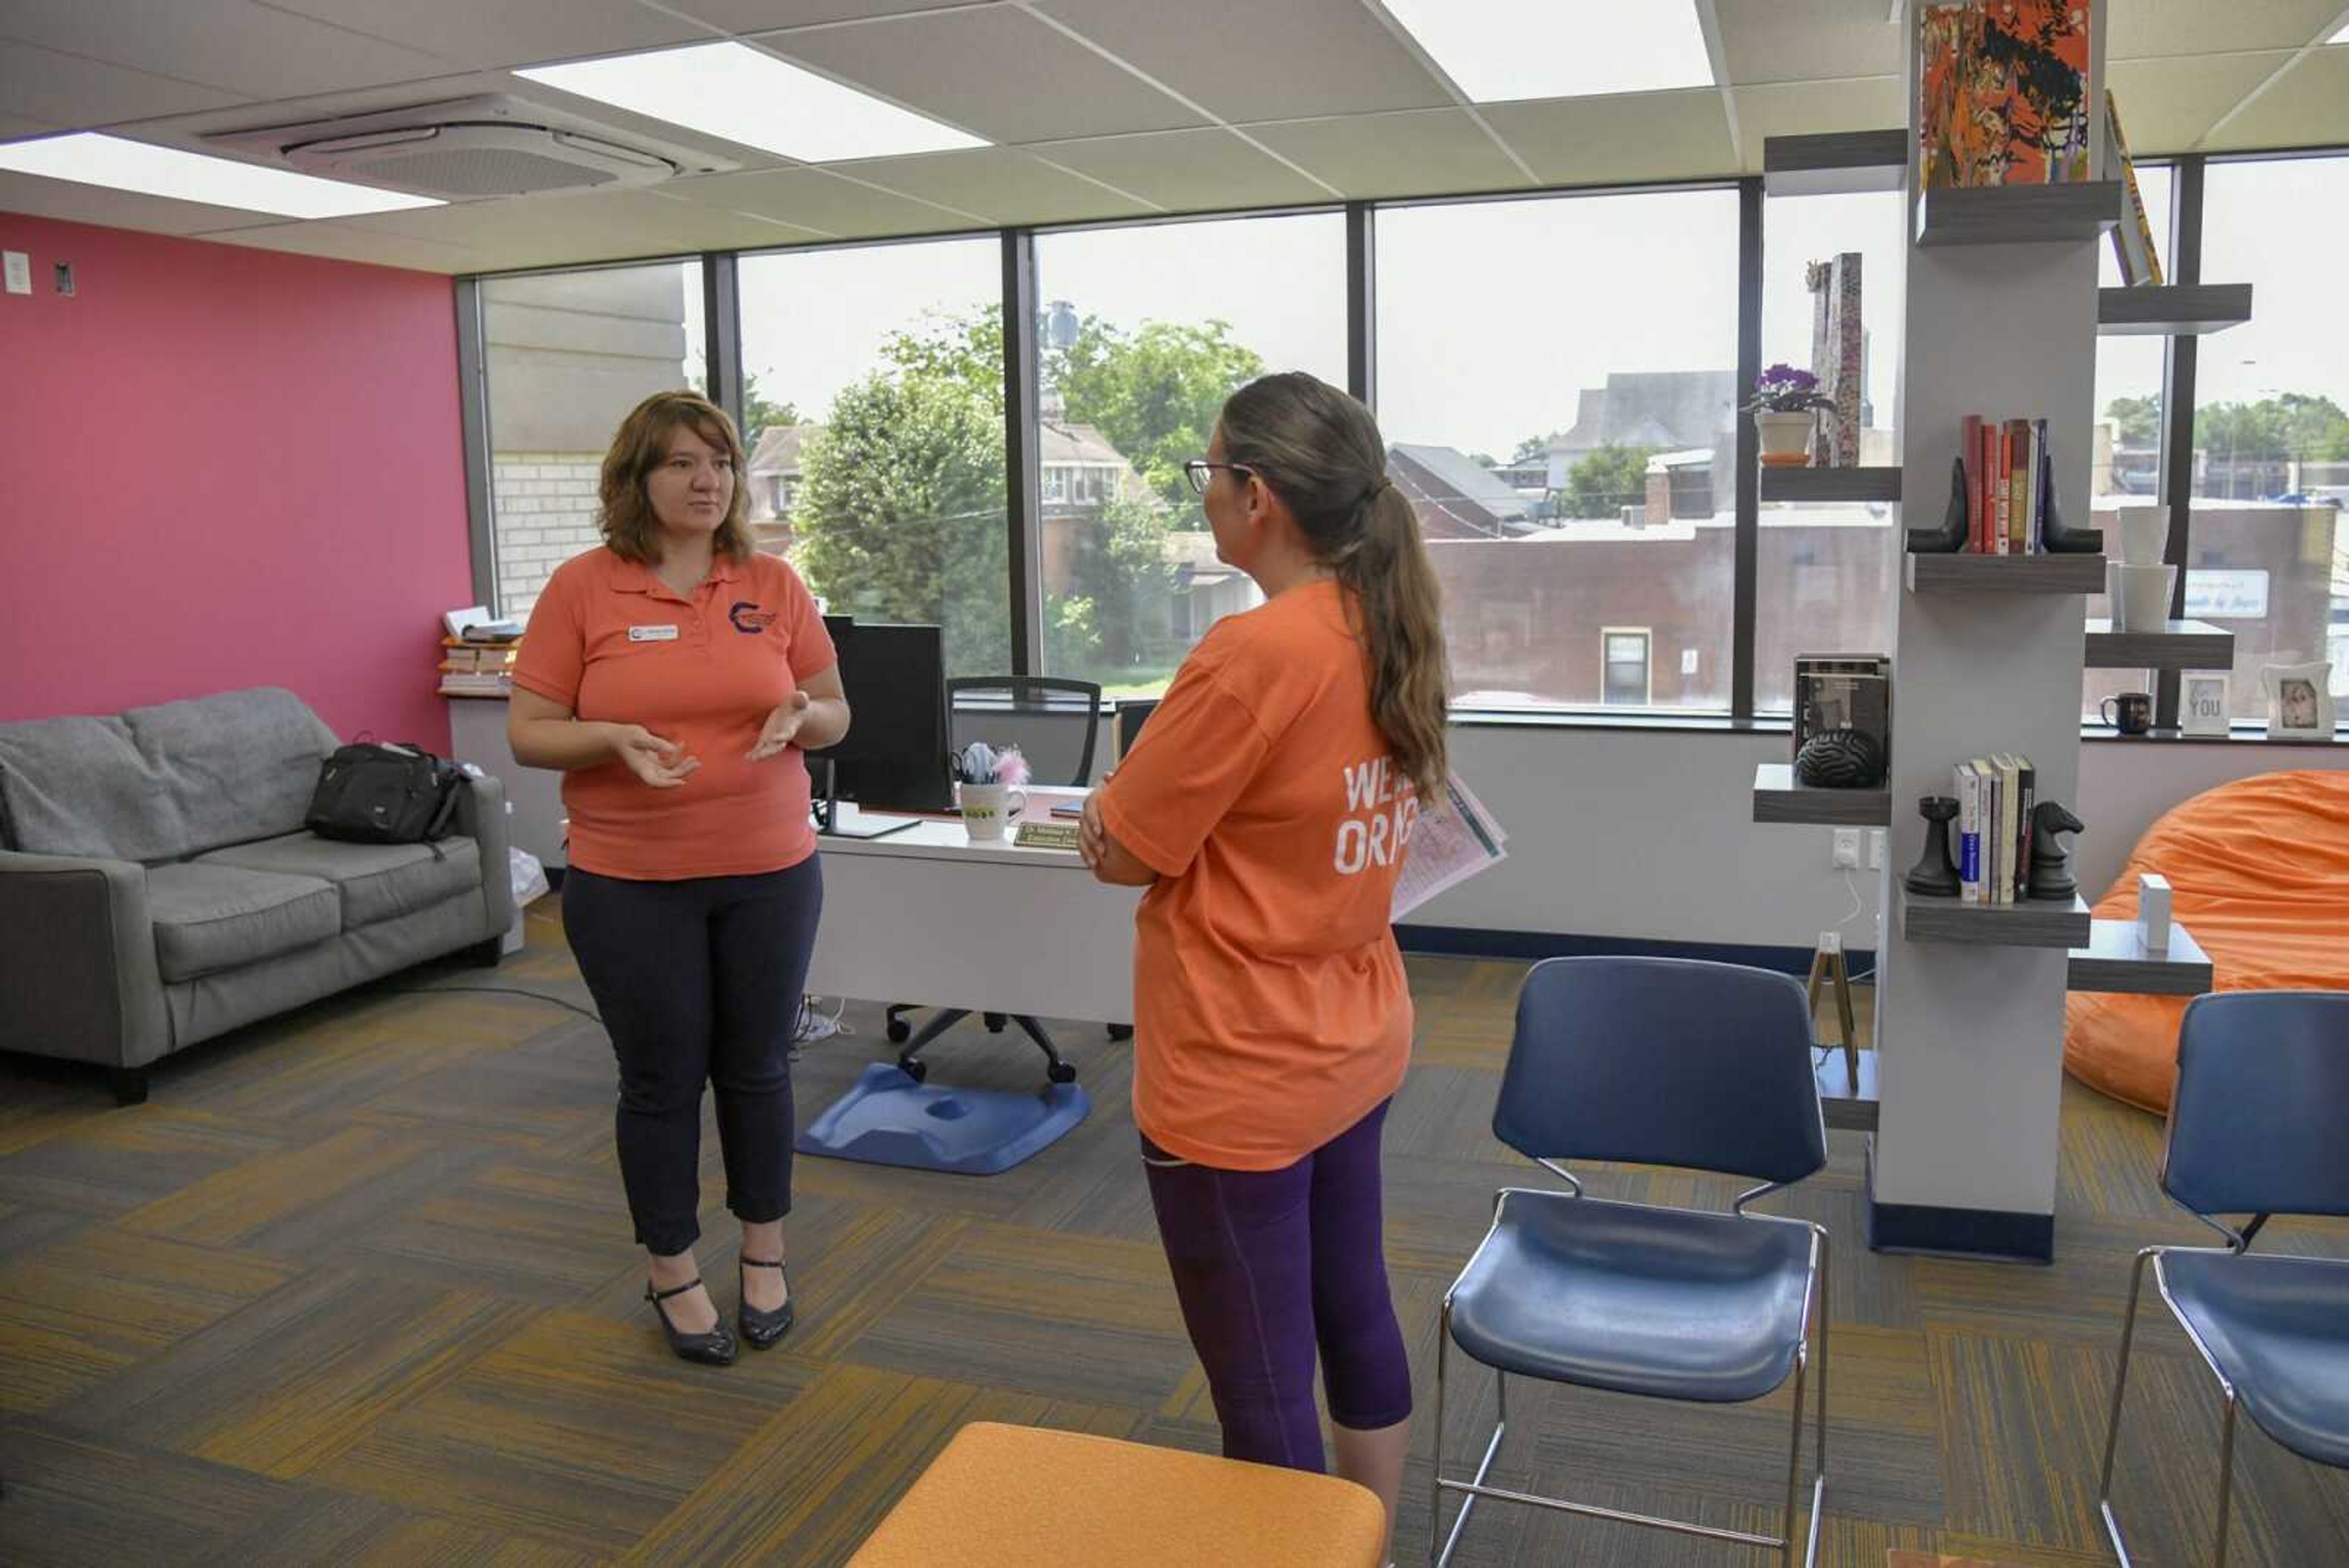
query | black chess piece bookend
[2051, 863]
[1950, 537]
[1934, 876]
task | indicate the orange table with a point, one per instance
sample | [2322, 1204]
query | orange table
[1017, 1497]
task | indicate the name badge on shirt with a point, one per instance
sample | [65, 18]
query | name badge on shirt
[652, 634]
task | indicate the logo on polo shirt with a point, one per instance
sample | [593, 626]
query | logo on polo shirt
[749, 618]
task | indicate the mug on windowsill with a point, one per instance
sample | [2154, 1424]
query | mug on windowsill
[989, 810]
[2130, 713]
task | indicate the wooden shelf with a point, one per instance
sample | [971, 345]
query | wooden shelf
[1778, 797]
[1846, 1110]
[2177, 310]
[1829, 485]
[1834, 164]
[1968, 573]
[2115, 960]
[2037, 923]
[2017, 214]
[2182, 645]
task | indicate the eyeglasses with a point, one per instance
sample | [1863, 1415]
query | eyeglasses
[1200, 471]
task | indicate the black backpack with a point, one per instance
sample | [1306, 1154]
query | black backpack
[370, 793]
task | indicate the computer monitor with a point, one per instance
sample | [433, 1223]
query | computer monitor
[895, 756]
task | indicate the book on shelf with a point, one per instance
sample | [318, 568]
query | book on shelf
[1994, 794]
[2133, 247]
[2002, 94]
[2002, 504]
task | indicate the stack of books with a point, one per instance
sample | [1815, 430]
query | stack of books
[2003, 458]
[1995, 794]
[476, 669]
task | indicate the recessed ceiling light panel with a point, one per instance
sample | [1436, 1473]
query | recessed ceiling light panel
[88, 159]
[1500, 50]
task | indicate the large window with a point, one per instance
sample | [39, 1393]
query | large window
[1557, 384]
[1827, 575]
[1143, 333]
[2268, 559]
[567, 355]
[873, 407]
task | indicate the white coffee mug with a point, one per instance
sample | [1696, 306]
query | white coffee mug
[2144, 533]
[987, 809]
[2142, 601]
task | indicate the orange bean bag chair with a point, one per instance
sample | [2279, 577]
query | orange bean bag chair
[2259, 871]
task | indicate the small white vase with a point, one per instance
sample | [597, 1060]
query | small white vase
[1785, 438]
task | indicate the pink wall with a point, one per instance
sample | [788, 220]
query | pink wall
[224, 467]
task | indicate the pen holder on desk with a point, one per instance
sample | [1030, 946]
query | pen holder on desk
[988, 809]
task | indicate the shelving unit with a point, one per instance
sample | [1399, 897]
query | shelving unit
[2031, 923]
[1823, 486]
[1779, 797]
[1848, 1109]
[2113, 958]
[1835, 164]
[2017, 214]
[2180, 645]
[2176, 310]
[1964, 573]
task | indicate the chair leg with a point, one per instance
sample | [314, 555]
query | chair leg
[1794, 1459]
[2226, 1479]
[908, 1061]
[129, 1084]
[1440, 1545]
[2112, 1428]
[1056, 1069]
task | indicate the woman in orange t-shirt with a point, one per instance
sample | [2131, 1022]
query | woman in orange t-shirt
[1266, 806]
[674, 674]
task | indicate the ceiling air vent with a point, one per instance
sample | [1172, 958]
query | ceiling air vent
[474, 148]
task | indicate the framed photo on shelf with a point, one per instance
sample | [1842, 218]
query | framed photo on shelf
[2202, 704]
[2300, 700]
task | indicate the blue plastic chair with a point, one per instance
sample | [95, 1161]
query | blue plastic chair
[2255, 1128]
[1655, 1061]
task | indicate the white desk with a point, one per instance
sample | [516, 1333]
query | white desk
[926, 916]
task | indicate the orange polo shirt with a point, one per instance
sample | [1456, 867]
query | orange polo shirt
[611, 641]
[1270, 1008]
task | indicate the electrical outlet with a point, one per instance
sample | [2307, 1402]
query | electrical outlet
[19, 269]
[1847, 847]
[1876, 850]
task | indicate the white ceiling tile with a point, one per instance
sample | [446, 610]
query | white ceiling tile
[2308, 107]
[1187, 171]
[2167, 104]
[344, 243]
[1419, 152]
[1001, 185]
[814, 199]
[81, 203]
[232, 45]
[67, 90]
[2140, 28]
[1246, 60]
[1002, 75]
[766, 16]
[1631, 136]
[509, 32]
[1808, 40]
[1812, 108]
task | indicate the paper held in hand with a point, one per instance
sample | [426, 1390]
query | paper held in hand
[1448, 846]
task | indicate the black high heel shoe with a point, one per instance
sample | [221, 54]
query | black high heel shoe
[715, 1348]
[762, 1328]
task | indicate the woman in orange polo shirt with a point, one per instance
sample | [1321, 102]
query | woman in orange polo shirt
[1266, 807]
[674, 674]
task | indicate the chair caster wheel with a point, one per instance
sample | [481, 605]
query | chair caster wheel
[1120, 1031]
[1061, 1073]
[898, 1030]
[914, 1067]
[995, 1022]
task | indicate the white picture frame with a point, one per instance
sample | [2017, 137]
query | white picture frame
[2300, 700]
[2202, 703]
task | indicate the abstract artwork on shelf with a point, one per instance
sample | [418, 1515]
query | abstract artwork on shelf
[1837, 354]
[2002, 94]
[2140, 264]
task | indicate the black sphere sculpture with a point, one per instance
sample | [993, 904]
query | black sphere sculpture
[1934, 876]
[2057, 536]
[1840, 759]
[1951, 536]
[2051, 863]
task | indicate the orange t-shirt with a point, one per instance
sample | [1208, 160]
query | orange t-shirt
[611, 641]
[1270, 1008]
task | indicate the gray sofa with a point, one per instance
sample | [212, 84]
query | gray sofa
[157, 888]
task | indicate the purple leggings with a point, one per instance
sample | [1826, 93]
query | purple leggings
[1271, 1265]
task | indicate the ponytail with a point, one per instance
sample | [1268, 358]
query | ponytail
[1322, 453]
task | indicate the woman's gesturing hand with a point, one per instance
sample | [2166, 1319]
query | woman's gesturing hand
[660, 764]
[782, 727]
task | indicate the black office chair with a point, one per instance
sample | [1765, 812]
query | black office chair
[1054, 722]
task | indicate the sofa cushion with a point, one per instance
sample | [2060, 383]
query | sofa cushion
[162, 783]
[377, 881]
[212, 917]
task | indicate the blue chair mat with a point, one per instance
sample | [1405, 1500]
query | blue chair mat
[886, 1118]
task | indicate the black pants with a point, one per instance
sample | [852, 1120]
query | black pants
[699, 979]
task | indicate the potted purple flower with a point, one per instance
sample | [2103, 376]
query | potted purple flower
[1784, 401]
